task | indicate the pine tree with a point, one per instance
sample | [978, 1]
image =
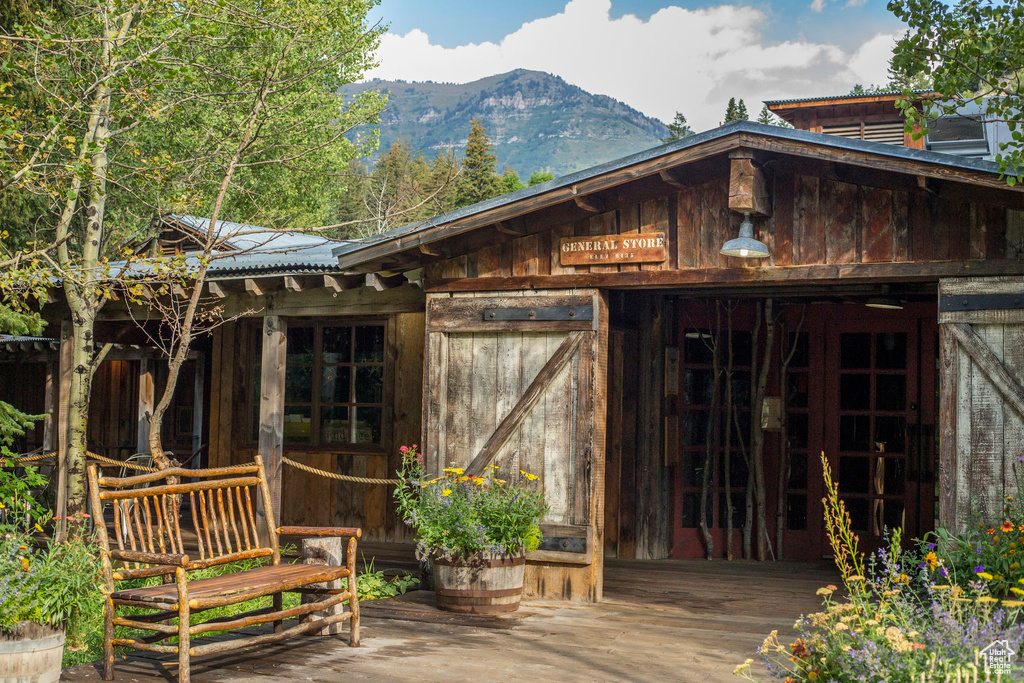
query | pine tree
[736, 111]
[678, 129]
[538, 177]
[510, 181]
[769, 119]
[741, 112]
[479, 180]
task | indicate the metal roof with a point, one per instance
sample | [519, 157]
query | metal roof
[260, 251]
[848, 96]
[395, 236]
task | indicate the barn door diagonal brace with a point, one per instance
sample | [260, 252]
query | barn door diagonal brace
[990, 364]
[559, 359]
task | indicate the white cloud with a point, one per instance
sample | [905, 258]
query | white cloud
[687, 60]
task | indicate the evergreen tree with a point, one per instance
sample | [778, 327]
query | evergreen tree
[479, 180]
[678, 129]
[736, 111]
[510, 181]
[769, 119]
[741, 112]
[538, 177]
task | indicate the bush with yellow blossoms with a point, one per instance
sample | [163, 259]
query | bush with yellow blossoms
[457, 515]
[897, 617]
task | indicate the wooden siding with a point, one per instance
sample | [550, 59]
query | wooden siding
[847, 225]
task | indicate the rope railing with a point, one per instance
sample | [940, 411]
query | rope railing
[142, 468]
[334, 475]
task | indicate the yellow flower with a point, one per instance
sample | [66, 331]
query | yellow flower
[985, 575]
[824, 591]
[454, 470]
[479, 480]
[24, 563]
[931, 560]
[2, 506]
[446, 492]
[1016, 590]
[529, 477]
[39, 528]
[1013, 603]
[841, 626]
[987, 598]
[742, 667]
[855, 577]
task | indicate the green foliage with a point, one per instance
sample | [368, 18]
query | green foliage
[894, 619]
[57, 586]
[987, 551]
[457, 515]
[479, 180]
[19, 510]
[735, 111]
[510, 181]
[678, 129]
[374, 585]
[769, 119]
[538, 177]
[18, 321]
[972, 50]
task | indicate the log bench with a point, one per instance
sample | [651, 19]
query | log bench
[147, 542]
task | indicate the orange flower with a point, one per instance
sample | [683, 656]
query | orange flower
[1007, 527]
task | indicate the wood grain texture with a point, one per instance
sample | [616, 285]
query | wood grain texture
[808, 236]
[841, 221]
[876, 225]
[629, 222]
[654, 217]
[687, 229]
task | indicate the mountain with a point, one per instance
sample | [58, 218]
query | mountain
[536, 121]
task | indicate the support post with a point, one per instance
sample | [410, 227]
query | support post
[147, 401]
[197, 406]
[50, 403]
[326, 551]
[63, 423]
[271, 441]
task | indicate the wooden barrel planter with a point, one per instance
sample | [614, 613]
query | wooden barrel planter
[482, 585]
[32, 656]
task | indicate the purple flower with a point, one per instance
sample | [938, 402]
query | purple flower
[980, 568]
[931, 546]
[944, 572]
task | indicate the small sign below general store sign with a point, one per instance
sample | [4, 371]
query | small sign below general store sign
[646, 247]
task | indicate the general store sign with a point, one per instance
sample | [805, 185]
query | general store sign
[648, 247]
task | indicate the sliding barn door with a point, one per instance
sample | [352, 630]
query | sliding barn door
[511, 381]
[982, 395]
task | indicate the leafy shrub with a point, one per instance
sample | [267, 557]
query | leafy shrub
[897, 618]
[16, 501]
[457, 515]
[58, 586]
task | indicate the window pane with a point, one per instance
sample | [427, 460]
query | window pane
[370, 384]
[796, 512]
[370, 344]
[298, 384]
[296, 423]
[337, 345]
[798, 471]
[855, 350]
[891, 351]
[854, 433]
[854, 474]
[890, 392]
[368, 425]
[334, 384]
[334, 425]
[855, 392]
[300, 345]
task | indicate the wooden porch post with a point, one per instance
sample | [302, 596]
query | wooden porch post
[147, 396]
[63, 424]
[50, 402]
[271, 442]
[197, 406]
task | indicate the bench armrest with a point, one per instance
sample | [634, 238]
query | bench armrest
[321, 531]
[172, 559]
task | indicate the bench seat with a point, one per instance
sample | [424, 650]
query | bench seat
[254, 583]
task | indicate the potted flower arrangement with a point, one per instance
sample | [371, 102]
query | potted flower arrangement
[474, 529]
[44, 590]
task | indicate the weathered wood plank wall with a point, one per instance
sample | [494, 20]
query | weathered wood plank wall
[982, 401]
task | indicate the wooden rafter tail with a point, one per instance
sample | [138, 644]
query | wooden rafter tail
[559, 359]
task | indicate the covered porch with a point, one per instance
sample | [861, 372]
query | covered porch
[660, 620]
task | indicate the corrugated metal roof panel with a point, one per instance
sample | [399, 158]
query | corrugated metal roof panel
[848, 96]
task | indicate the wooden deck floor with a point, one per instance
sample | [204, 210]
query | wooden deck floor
[673, 620]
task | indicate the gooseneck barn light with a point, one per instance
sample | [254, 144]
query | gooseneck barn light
[745, 246]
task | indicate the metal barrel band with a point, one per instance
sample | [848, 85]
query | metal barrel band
[496, 593]
[339, 477]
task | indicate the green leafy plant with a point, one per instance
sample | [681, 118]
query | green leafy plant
[458, 515]
[19, 510]
[375, 585]
[896, 618]
[56, 586]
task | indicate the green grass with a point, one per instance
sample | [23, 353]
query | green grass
[371, 585]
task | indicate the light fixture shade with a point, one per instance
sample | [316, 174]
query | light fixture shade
[745, 246]
[885, 302]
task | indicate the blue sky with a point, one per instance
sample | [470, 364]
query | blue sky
[451, 23]
[658, 56]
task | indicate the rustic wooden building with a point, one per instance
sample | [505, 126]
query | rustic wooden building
[570, 329]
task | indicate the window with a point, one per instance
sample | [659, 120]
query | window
[334, 384]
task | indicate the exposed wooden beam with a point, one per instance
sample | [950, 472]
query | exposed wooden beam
[748, 190]
[590, 203]
[252, 287]
[790, 276]
[670, 177]
[380, 282]
[433, 249]
[178, 291]
[291, 283]
[216, 289]
[502, 226]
